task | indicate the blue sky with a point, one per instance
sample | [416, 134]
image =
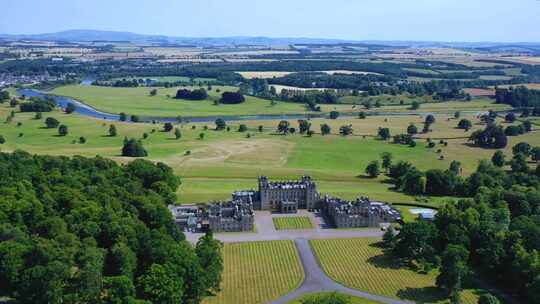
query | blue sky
[440, 20]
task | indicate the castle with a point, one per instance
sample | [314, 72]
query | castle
[284, 197]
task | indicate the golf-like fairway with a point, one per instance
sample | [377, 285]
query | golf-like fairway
[258, 272]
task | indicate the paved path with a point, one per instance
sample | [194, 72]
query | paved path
[265, 231]
[315, 280]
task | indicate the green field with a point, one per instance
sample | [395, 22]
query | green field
[138, 101]
[292, 222]
[361, 264]
[317, 296]
[227, 161]
[258, 272]
[168, 78]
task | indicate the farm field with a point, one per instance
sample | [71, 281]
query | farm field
[258, 272]
[263, 74]
[226, 161]
[292, 222]
[361, 264]
[138, 101]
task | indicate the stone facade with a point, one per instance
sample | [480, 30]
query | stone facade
[359, 213]
[272, 194]
[230, 216]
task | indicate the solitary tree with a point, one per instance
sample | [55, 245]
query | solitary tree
[283, 127]
[62, 130]
[465, 124]
[325, 129]
[220, 124]
[153, 92]
[242, 128]
[430, 119]
[70, 108]
[2, 140]
[201, 136]
[122, 116]
[303, 126]
[135, 118]
[177, 133]
[51, 122]
[346, 130]
[412, 129]
[334, 114]
[386, 160]
[384, 133]
[167, 127]
[38, 116]
[373, 169]
[133, 148]
[362, 115]
[112, 131]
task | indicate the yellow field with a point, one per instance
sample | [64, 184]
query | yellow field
[361, 264]
[266, 74]
[258, 272]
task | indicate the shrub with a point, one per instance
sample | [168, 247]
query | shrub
[167, 127]
[82, 140]
[242, 128]
[51, 122]
[133, 148]
[62, 130]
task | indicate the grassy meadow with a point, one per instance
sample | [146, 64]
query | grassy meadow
[258, 272]
[226, 161]
[292, 222]
[138, 101]
[361, 264]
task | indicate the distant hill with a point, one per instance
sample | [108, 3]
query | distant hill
[115, 36]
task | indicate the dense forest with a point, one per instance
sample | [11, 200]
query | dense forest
[494, 234]
[518, 96]
[79, 230]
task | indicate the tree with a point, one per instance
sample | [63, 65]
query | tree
[201, 136]
[167, 127]
[455, 167]
[118, 289]
[2, 140]
[519, 163]
[346, 130]
[510, 117]
[384, 133]
[161, 284]
[389, 238]
[488, 299]
[304, 126]
[453, 270]
[523, 148]
[430, 119]
[334, 114]
[153, 92]
[325, 129]
[220, 124]
[38, 116]
[373, 169]
[527, 126]
[112, 131]
[386, 160]
[535, 154]
[62, 130]
[415, 105]
[465, 124]
[135, 118]
[208, 250]
[362, 115]
[82, 140]
[412, 129]
[415, 241]
[283, 127]
[457, 115]
[122, 116]
[177, 133]
[232, 98]
[133, 148]
[70, 108]
[51, 122]
[242, 128]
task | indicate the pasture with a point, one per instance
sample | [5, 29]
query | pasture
[258, 272]
[292, 222]
[361, 264]
[226, 161]
[138, 101]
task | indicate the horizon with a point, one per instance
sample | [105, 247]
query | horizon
[387, 20]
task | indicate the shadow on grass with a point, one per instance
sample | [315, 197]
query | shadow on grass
[430, 294]
[385, 261]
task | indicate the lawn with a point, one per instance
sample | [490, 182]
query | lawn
[317, 296]
[258, 272]
[361, 264]
[138, 101]
[292, 222]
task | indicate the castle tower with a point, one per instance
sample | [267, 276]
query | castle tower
[264, 203]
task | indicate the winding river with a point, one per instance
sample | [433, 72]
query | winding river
[87, 110]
